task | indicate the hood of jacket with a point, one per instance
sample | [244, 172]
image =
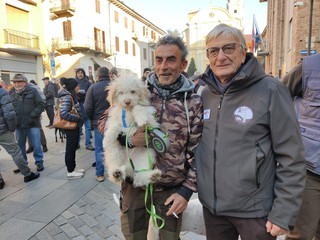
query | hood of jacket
[187, 86]
[249, 73]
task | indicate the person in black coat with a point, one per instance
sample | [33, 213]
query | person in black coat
[28, 105]
[95, 105]
[84, 84]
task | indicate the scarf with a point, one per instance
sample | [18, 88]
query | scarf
[166, 90]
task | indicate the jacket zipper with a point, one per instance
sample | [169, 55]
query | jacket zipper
[162, 110]
[215, 158]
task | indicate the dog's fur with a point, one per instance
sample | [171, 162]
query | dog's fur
[130, 94]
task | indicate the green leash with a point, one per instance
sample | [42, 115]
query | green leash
[149, 187]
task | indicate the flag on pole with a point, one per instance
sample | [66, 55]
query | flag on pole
[256, 36]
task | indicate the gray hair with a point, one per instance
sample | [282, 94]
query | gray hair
[224, 31]
[170, 39]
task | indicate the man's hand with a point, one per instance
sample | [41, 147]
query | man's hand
[274, 230]
[178, 204]
[138, 138]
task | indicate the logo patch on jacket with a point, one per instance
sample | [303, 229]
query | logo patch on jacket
[243, 115]
[206, 114]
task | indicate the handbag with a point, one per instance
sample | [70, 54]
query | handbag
[59, 122]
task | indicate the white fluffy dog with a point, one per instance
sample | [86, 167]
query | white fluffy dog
[130, 109]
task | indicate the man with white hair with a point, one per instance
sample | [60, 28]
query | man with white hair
[250, 161]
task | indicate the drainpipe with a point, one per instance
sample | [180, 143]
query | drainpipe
[310, 27]
[280, 40]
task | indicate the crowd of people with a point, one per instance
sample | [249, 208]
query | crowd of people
[245, 141]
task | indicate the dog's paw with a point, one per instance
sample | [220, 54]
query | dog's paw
[117, 174]
[155, 177]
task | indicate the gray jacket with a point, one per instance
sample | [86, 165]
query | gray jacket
[250, 160]
[303, 82]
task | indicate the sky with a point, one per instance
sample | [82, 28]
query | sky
[172, 14]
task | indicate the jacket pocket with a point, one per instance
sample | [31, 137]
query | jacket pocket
[252, 172]
[311, 142]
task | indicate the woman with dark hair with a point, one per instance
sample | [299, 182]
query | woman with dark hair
[68, 100]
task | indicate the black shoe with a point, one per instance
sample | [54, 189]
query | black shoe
[90, 148]
[16, 171]
[29, 150]
[93, 164]
[31, 177]
[40, 168]
[2, 184]
[44, 148]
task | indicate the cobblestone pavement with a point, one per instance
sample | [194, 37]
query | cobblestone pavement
[53, 207]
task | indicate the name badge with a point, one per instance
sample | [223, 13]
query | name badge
[206, 114]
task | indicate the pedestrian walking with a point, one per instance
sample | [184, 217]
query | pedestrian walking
[28, 105]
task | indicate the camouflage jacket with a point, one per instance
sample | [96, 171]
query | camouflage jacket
[177, 164]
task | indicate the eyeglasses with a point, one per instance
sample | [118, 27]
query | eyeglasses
[227, 49]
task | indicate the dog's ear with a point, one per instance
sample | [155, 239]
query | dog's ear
[112, 92]
[144, 95]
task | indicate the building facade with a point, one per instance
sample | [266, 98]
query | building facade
[287, 34]
[21, 39]
[202, 21]
[89, 34]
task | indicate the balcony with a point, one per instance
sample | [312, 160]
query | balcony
[31, 2]
[80, 45]
[61, 8]
[21, 41]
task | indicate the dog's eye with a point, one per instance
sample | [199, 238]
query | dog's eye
[120, 93]
[132, 91]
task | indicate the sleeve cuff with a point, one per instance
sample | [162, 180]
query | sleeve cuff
[185, 192]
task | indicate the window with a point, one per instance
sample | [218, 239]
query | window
[98, 6]
[145, 54]
[104, 41]
[153, 35]
[125, 22]
[99, 40]
[67, 30]
[152, 58]
[117, 44]
[133, 49]
[17, 19]
[147, 32]
[132, 25]
[116, 17]
[126, 47]
[144, 30]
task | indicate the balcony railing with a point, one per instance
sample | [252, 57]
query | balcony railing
[80, 44]
[61, 8]
[21, 39]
